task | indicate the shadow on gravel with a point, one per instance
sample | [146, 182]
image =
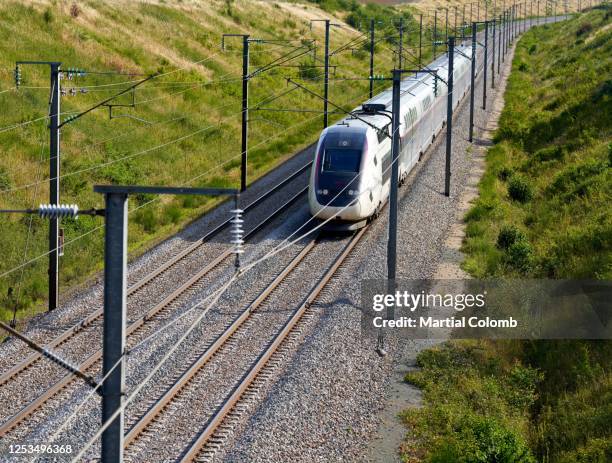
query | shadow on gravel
[482, 142]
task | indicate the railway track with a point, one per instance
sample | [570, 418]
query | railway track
[136, 329]
[261, 334]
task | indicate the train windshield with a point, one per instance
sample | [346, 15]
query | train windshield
[341, 160]
[341, 151]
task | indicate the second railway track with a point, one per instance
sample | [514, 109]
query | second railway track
[23, 405]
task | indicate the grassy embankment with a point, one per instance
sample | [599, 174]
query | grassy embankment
[543, 212]
[196, 124]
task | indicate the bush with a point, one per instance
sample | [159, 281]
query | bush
[308, 71]
[596, 451]
[173, 213]
[509, 235]
[523, 67]
[146, 218]
[75, 11]
[504, 173]
[520, 255]
[48, 16]
[520, 190]
[550, 153]
[584, 29]
[483, 440]
[5, 179]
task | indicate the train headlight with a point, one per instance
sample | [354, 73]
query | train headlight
[323, 192]
[352, 192]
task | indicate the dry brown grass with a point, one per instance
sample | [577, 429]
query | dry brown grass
[427, 7]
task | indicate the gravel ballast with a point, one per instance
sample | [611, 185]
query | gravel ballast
[328, 404]
[324, 405]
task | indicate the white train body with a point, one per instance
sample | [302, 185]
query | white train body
[350, 176]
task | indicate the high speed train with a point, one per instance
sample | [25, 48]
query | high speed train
[351, 172]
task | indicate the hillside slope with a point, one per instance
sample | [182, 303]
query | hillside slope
[184, 128]
[543, 212]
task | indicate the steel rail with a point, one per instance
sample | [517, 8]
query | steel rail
[16, 419]
[230, 403]
[219, 342]
[95, 315]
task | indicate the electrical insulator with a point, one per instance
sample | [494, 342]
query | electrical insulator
[63, 91]
[237, 234]
[56, 211]
[73, 92]
[17, 76]
[435, 84]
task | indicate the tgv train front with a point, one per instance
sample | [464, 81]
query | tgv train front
[336, 180]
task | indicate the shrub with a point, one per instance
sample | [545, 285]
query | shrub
[173, 213]
[595, 451]
[520, 255]
[482, 440]
[5, 179]
[75, 11]
[584, 29]
[508, 235]
[523, 67]
[504, 173]
[519, 189]
[48, 16]
[146, 218]
[550, 153]
[308, 71]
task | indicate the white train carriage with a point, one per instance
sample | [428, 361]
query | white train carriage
[350, 177]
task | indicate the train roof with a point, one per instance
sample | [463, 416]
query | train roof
[414, 86]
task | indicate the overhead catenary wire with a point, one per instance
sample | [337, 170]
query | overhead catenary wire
[227, 161]
[265, 68]
[215, 296]
[88, 397]
[28, 237]
[157, 76]
[166, 356]
[127, 82]
[90, 231]
[258, 144]
[281, 246]
[139, 387]
[151, 336]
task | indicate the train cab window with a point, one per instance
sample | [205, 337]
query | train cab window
[384, 133]
[341, 160]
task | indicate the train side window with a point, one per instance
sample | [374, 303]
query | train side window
[426, 103]
[410, 117]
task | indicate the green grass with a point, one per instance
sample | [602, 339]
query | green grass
[549, 174]
[144, 38]
[543, 212]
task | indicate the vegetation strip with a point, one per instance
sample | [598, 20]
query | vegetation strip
[543, 212]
